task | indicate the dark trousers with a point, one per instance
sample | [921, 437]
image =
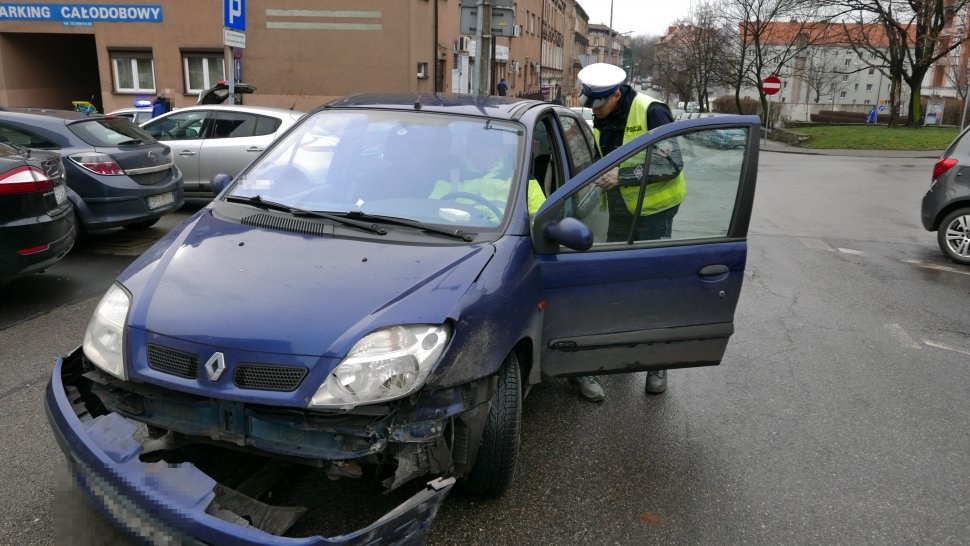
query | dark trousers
[652, 226]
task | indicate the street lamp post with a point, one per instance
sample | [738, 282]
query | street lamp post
[609, 57]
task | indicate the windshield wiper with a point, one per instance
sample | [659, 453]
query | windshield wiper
[455, 233]
[258, 201]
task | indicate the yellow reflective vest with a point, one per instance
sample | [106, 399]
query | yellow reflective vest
[494, 187]
[659, 196]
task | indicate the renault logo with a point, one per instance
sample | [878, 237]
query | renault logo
[152, 157]
[215, 366]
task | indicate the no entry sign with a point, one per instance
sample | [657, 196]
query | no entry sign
[771, 85]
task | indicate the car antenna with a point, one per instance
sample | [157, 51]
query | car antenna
[417, 103]
[298, 95]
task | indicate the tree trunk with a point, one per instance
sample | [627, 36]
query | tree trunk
[915, 83]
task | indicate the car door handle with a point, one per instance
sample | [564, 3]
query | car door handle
[254, 149]
[186, 152]
[713, 270]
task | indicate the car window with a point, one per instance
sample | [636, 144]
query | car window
[178, 126]
[443, 169]
[112, 131]
[577, 145]
[13, 135]
[266, 125]
[654, 179]
[234, 125]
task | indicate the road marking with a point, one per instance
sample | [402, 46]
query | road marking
[925, 265]
[817, 244]
[946, 347]
[904, 339]
[850, 251]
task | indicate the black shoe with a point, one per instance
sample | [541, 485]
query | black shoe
[656, 382]
[589, 388]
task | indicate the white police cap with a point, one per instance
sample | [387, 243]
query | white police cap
[600, 80]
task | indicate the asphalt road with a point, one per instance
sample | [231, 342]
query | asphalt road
[838, 415]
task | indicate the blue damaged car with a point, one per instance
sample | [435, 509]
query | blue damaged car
[373, 297]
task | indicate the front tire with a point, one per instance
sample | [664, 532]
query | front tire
[495, 464]
[953, 236]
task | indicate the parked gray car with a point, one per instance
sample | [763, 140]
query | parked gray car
[212, 139]
[946, 206]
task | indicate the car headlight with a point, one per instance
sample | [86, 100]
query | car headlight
[384, 365]
[104, 338]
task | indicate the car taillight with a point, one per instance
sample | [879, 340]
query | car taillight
[942, 166]
[25, 180]
[98, 163]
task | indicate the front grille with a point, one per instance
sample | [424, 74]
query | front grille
[294, 225]
[268, 378]
[173, 362]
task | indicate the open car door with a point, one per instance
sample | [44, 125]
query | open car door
[219, 93]
[619, 301]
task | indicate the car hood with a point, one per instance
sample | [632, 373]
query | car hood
[250, 288]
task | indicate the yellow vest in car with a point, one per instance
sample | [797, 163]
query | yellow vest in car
[659, 196]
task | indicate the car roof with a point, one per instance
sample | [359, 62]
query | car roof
[130, 109]
[267, 110]
[49, 116]
[510, 108]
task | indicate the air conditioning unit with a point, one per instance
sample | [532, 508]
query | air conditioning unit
[515, 67]
[516, 31]
[461, 44]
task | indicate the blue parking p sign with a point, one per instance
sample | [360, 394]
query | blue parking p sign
[234, 14]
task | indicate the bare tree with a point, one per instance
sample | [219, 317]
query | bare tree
[771, 34]
[918, 34]
[672, 68]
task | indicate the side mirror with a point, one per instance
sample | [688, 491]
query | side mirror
[219, 183]
[571, 233]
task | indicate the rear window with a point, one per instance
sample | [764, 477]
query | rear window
[112, 131]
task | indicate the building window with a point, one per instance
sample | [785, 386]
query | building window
[422, 71]
[848, 62]
[868, 87]
[872, 71]
[865, 101]
[856, 88]
[202, 71]
[845, 78]
[842, 95]
[133, 72]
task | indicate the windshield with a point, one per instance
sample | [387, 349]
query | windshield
[440, 169]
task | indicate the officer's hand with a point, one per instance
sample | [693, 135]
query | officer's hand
[609, 179]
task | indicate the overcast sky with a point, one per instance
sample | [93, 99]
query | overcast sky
[641, 16]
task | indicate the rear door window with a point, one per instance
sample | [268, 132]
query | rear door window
[266, 125]
[234, 125]
[13, 135]
[116, 131]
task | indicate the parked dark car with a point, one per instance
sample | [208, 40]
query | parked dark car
[373, 297]
[36, 224]
[117, 174]
[946, 205]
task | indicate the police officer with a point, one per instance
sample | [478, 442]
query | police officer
[621, 114]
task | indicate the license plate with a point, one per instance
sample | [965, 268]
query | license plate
[60, 194]
[161, 200]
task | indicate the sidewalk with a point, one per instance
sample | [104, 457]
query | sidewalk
[781, 147]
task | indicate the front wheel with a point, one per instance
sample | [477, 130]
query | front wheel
[495, 464]
[954, 236]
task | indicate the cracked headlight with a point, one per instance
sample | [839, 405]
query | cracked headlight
[104, 338]
[384, 365]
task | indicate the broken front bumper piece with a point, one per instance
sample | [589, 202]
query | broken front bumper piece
[163, 503]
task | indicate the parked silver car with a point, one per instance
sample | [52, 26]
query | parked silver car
[212, 139]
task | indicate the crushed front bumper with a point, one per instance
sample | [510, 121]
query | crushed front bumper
[163, 503]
